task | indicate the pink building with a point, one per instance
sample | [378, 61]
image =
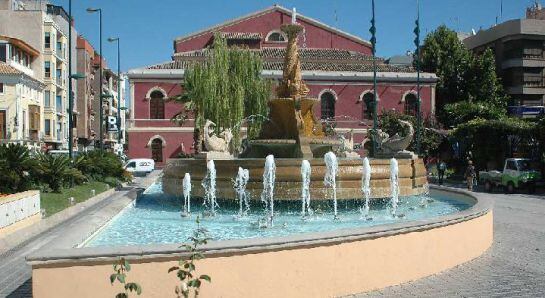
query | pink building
[337, 67]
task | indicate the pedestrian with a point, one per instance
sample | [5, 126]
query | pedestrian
[470, 175]
[441, 168]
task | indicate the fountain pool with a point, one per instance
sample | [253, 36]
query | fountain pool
[155, 218]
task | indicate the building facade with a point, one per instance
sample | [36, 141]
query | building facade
[519, 48]
[44, 27]
[337, 67]
[21, 95]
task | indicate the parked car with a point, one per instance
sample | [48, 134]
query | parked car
[140, 166]
[517, 173]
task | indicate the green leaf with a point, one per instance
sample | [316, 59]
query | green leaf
[121, 278]
[121, 295]
[206, 277]
[127, 266]
[173, 268]
[112, 278]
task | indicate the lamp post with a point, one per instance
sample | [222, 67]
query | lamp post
[373, 31]
[71, 77]
[418, 100]
[100, 112]
[116, 39]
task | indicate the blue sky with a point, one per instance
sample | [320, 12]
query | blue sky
[147, 28]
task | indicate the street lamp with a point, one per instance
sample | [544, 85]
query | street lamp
[100, 113]
[116, 39]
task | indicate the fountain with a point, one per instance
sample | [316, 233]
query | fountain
[365, 186]
[292, 133]
[209, 185]
[239, 185]
[300, 163]
[394, 185]
[330, 178]
[267, 196]
[305, 190]
[187, 195]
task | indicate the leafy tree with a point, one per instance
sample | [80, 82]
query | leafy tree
[225, 89]
[463, 76]
[464, 111]
[491, 141]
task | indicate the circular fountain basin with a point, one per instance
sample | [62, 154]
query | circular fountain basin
[326, 263]
[412, 177]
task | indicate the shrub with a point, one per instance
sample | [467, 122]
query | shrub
[17, 168]
[57, 171]
[98, 165]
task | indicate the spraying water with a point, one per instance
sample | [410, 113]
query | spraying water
[240, 188]
[187, 195]
[209, 185]
[332, 168]
[394, 185]
[267, 196]
[365, 185]
[305, 191]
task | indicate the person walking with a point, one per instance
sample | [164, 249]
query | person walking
[470, 175]
[441, 168]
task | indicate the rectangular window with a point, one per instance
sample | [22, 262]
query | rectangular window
[47, 40]
[47, 69]
[1, 88]
[3, 52]
[3, 125]
[58, 104]
[47, 127]
[47, 98]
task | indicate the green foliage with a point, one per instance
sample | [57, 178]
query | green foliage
[225, 89]
[189, 281]
[389, 123]
[463, 76]
[462, 112]
[491, 141]
[56, 171]
[16, 167]
[121, 268]
[100, 164]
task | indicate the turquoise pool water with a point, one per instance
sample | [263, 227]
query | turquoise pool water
[156, 218]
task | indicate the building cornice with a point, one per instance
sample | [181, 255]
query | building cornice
[307, 75]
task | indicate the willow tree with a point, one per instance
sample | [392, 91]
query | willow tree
[226, 89]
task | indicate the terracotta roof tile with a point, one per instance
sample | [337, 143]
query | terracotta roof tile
[6, 69]
[311, 59]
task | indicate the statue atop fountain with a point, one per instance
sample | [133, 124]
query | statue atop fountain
[293, 130]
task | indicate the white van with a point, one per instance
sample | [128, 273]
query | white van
[140, 165]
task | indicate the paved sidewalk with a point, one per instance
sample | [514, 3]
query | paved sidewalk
[15, 273]
[513, 267]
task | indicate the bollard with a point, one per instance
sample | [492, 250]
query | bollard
[43, 213]
[71, 200]
[93, 192]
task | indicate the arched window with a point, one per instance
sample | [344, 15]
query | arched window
[276, 36]
[368, 100]
[157, 105]
[328, 105]
[411, 102]
[157, 150]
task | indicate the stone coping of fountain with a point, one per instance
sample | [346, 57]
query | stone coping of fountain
[58, 257]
